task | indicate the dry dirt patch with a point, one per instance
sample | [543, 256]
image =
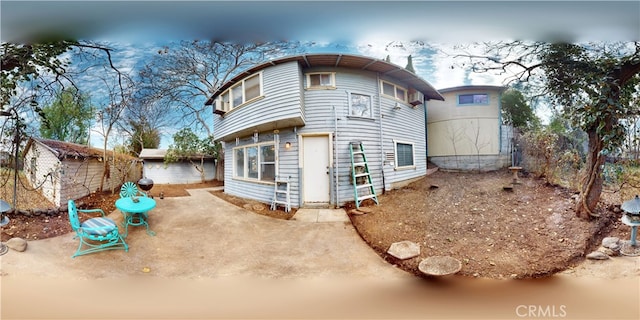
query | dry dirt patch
[531, 231]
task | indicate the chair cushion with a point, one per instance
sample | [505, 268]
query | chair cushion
[99, 226]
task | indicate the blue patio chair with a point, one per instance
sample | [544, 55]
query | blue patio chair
[129, 189]
[95, 234]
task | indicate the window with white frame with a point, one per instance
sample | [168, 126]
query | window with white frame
[255, 162]
[360, 105]
[244, 91]
[321, 80]
[475, 98]
[394, 91]
[404, 154]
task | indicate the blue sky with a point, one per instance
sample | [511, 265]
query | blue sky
[372, 28]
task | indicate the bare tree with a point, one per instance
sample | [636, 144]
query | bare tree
[454, 136]
[475, 140]
[181, 78]
[108, 114]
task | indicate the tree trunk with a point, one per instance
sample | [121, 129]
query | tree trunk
[591, 187]
[220, 166]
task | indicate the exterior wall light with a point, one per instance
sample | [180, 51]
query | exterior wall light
[287, 145]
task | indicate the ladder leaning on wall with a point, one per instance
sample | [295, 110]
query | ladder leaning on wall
[361, 177]
[281, 194]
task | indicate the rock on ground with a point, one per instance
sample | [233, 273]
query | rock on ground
[404, 250]
[597, 255]
[17, 244]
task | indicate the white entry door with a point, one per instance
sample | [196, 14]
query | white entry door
[315, 160]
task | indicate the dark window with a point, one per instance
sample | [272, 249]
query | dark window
[473, 98]
[404, 153]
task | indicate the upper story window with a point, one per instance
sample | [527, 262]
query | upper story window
[475, 98]
[246, 90]
[321, 80]
[360, 105]
[394, 91]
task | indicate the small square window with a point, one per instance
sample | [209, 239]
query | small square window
[360, 105]
[404, 155]
[394, 91]
[320, 80]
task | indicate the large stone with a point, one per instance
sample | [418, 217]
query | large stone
[17, 244]
[597, 255]
[609, 252]
[612, 243]
[404, 250]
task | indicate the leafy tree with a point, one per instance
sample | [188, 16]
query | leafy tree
[142, 136]
[38, 68]
[68, 118]
[516, 111]
[592, 83]
[187, 146]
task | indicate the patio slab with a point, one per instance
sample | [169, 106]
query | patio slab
[320, 215]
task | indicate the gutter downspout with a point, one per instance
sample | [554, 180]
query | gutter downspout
[337, 157]
[426, 135]
[384, 186]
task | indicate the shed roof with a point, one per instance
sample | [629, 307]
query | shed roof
[159, 154]
[152, 153]
[342, 61]
[63, 149]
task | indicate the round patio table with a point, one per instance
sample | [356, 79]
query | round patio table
[136, 213]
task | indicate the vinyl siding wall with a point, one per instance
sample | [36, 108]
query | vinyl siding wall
[280, 104]
[405, 125]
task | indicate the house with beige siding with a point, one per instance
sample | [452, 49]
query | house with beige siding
[465, 131]
[295, 117]
[63, 170]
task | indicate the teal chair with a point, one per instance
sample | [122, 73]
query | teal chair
[95, 234]
[129, 189]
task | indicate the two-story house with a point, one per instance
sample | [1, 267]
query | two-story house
[295, 117]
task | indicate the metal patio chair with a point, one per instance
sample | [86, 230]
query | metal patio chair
[129, 189]
[96, 234]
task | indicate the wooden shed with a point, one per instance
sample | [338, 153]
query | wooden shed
[63, 170]
[183, 171]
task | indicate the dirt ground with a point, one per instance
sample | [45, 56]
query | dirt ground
[47, 226]
[530, 231]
